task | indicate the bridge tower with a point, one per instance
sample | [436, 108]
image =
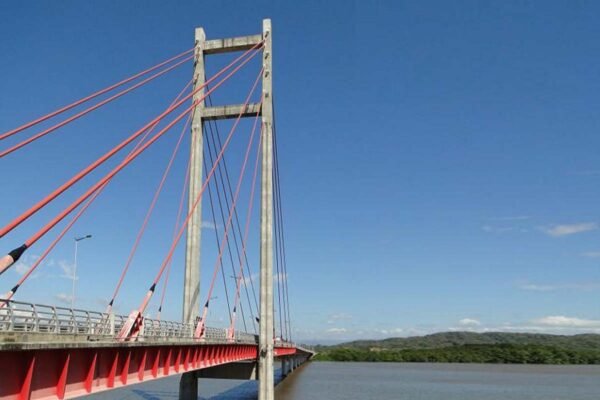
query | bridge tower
[188, 388]
[191, 289]
[265, 354]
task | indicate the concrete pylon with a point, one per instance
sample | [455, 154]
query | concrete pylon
[191, 288]
[265, 356]
[188, 385]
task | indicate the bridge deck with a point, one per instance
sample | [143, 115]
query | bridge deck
[57, 353]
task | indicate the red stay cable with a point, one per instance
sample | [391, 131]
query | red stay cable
[219, 262]
[177, 221]
[245, 239]
[37, 262]
[10, 258]
[149, 213]
[91, 96]
[17, 221]
[90, 109]
[131, 326]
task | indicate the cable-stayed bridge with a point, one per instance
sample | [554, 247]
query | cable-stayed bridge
[50, 352]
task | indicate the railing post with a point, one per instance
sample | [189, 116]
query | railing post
[56, 321]
[142, 328]
[35, 319]
[71, 321]
[11, 315]
[88, 323]
[111, 323]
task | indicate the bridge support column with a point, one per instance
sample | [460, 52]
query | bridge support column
[287, 366]
[265, 356]
[191, 288]
[188, 385]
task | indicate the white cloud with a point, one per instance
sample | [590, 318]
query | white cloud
[21, 268]
[556, 324]
[511, 218]
[25, 262]
[505, 224]
[469, 322]
[101, 302]
[560, 321]
[568, 229]
[333, 318]
[537, 288]
[352, 333]
[497, 229]
[550, 324]
[248, 280]
[393, 331]
[281, 278]
[64, 298]
[67, 269]
[587, 172]
[591, 254]
[208, 225]
[566, 286]
[553, 324]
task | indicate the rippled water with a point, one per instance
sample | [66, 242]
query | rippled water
[333, 381]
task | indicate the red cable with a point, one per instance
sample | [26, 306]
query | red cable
[91, 96]
[128, 327]
[246, 231]
[227, 225]
[150, 210]
[37, 262]
[17, 221]
[177, 221]
[118, 168]
[125, 162]
[90, 109]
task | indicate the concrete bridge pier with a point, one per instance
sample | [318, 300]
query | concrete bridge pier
[243, 370]
[285, 367]
[289, 364]
[188, 386]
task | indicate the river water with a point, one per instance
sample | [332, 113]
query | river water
[413, 381]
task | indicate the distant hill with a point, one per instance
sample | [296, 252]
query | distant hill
[450, 339]
[469, 347]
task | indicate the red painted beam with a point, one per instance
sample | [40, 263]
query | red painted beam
[70, 372]
[284, 351]
[62, 379]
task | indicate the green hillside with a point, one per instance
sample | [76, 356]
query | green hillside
[449, 339]
[469, 347]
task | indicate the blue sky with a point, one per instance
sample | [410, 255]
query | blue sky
[439, 161]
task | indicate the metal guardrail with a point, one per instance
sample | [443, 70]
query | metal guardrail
[16, 316]
[308, 347]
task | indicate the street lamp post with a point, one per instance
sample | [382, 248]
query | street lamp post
[77, 240]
